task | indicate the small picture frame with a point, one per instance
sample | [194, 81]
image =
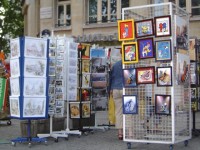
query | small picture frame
[145, 75]
[162, 104]
[130, 104]
[162, 26]
[74, 108]
[129, 77]
[146, 48]
[193, 93]
[144, 28]
[163, 50]
[126, 30]
[85, 109]
[164, 76]
[129, 53]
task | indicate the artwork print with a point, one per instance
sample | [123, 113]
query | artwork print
[146, 48]
[129, 77]
[74, 108]
[85, 65]
[85, 107]
[85, 51]
[164, 76]
[98, 65]
[14, 68]
[162, 26]
[97, 53]
[14, 107]
[99, 80]
[144, 28]
[129, 53]
[35, 47]
[181, 33]
[126, 30]
[34, 87]
[163, 104]
[130, 105]
[34, 107]
[34, 67]
[163, 50]
[145, 75]
[14, 86]
[15, 48]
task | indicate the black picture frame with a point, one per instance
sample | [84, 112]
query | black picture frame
[130, 104]
[164, 76]
[162, 104]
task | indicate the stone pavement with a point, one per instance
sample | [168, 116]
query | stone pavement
[99, 140]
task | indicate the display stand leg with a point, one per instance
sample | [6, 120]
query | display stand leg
[54, 134]
[97, 127]
[28, 139]
[195, 132]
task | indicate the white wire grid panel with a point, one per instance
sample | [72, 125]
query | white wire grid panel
[147, 126]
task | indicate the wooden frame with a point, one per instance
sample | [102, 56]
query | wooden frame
[126, 30]
[129, 53]
[144, 28]
[130, 104]
[163, 50]
[129, 77]
[145, 75]
[162, 104]
[146, 48]
[164, 76]
[162, 26]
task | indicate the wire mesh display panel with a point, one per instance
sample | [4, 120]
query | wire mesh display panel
[148, 124]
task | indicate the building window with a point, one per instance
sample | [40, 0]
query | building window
[64, 13]
[182, 4]
[195, 7]
[108, 10]
[92, 11]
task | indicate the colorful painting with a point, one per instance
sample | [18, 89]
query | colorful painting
[163, 104]
[145, 75]
[129, 52]
[129, 77]
[162, 26]
[146, 48]
[97, 53]
[14, 86]
[98, 65]
[163, 50]
[74, 108]
[126, 30]
[144, 28]
[164, 76]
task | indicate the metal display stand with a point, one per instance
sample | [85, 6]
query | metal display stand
[147, 126]
[63, 56]
[28, 139]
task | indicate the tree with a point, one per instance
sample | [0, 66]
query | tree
[11, 22]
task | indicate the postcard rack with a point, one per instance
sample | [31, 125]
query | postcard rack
[161, 93]
[28, 65]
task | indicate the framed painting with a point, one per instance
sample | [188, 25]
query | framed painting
[15, 86]
[126, 30]
[85, 109]
[129, 53]
[15, 48]
[163, 50]
[146, 48]
[129, 77]
[85, 94]
[164, 76]
[145, 75]
[14, 67]
[14, 106]
[130, 104]
[97, 53]
[74, 109]
[193, 93]
[85, 51]
[144, 28]
[162, 104]
[162, 26]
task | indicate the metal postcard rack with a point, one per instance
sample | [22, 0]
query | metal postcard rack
[146, 126]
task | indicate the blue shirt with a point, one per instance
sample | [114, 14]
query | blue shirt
[116, 76]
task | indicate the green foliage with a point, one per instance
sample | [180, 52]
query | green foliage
[11, 22]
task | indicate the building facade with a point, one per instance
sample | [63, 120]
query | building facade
[91, 21]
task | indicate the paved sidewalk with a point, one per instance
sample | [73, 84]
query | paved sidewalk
[98, 141]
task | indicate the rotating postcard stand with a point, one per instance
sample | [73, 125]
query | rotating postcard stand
[58, 47]
[28, 65]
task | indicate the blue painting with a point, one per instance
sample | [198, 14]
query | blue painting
[146, 49]
[129, 77]
[97, 53]
[163, 50]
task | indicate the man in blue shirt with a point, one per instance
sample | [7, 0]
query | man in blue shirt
[116, 86]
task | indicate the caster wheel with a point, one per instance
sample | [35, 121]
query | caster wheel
[66, 138]
[29, 145]
[186, 143]
[56, 140]
[79, 136]
[86, 133]
[171, 147]
[9, 123]
[13, 143]
[45, 143]
[92, 132]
